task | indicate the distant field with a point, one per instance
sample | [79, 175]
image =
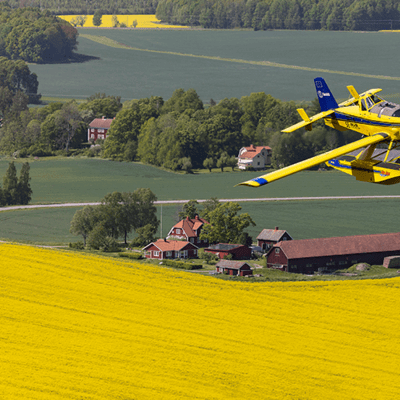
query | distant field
[280, 63]
[143, 21]
[89, 180]
[76, 326]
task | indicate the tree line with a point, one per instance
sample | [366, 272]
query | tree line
[52, 129]
[35, 36]
[118, 215]
[16, 190]
[66, 7]
[180, 134]
[282, 14]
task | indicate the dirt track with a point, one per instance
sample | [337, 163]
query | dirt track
[10, 208]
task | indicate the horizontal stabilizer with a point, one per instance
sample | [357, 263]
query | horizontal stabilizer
[311, 162]
[310, 120]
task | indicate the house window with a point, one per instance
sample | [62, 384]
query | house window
[195, 252]
[258, 163]
[178, 231]
[169, 253]
[92, 130]
[184, 254]
[342, 262]
[156, 253]
[92, 135]
[277, 251]
[330, 263]
[101, 130]
[191, 240]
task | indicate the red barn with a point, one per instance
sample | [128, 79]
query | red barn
[98, 128]
[238, 251]
[330, 254]
[189, 229]
[239, 268]
[163, 248]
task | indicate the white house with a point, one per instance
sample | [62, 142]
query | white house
[257, 157]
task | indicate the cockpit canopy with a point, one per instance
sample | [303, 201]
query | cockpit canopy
[378, 106]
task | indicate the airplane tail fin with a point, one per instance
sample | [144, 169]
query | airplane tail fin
[325, 96]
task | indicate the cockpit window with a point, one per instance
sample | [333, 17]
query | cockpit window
[375, 99]
[363, 106]
[369, 102]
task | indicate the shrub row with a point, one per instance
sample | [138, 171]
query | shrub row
[132, 256]
[181, 265]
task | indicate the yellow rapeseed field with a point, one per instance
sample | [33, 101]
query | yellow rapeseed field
[86, 327]
[143, 21]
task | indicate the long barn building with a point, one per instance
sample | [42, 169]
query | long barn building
[329, 254]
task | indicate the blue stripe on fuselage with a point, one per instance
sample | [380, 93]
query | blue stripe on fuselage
[345, 117]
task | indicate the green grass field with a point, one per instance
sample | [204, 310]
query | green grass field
[152, 66]
[65, 180]
[62, 180]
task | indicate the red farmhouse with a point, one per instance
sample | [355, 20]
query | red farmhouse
[234, 268]
[163, 248]
[98, 128]
[330, 254]
[189, 229]
[238, 251]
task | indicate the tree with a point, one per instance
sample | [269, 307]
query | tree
[146, 211]
[97, 18]
[145, 235]
[114, 21]
[189, 209]
[209, 163]
[84, 221]
[225, 225]
[24, 187]
[10, 185]
[134, 23]
[208, 206]
[223, 161]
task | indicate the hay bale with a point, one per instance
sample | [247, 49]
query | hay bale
[362, 267]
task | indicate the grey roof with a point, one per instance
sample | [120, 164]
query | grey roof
[274, 235]
[231, 264]
[224, 246]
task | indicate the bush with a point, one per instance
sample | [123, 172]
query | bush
[132, 256]
[207, 256]
[181, 265]
[77, 245]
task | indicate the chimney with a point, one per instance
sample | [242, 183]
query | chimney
[196, 217]
[276, 228]
[165, 239]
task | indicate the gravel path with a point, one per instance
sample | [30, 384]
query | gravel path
[10, 208]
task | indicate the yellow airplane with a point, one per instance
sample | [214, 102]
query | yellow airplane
[377, 119]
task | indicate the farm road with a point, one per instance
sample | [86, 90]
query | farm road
[11, 208]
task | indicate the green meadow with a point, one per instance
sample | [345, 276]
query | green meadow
[219, 64]
[63, 180]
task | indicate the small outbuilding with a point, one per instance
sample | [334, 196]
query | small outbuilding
[268, 237]
[238, 268]
[238, 251]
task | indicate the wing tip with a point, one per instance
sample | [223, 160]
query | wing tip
[256, 182]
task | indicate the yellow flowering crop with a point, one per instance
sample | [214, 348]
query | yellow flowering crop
[86, 327]
[143, 21]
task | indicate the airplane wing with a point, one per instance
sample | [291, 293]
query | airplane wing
[311, 162]
[307, 120]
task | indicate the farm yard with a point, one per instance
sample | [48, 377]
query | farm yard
[160, 61]
[77, 326]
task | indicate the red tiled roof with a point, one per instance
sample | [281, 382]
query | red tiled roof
[170, 245]
[102, 123]
[190, 226]
[325, 247]
[252, 151]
